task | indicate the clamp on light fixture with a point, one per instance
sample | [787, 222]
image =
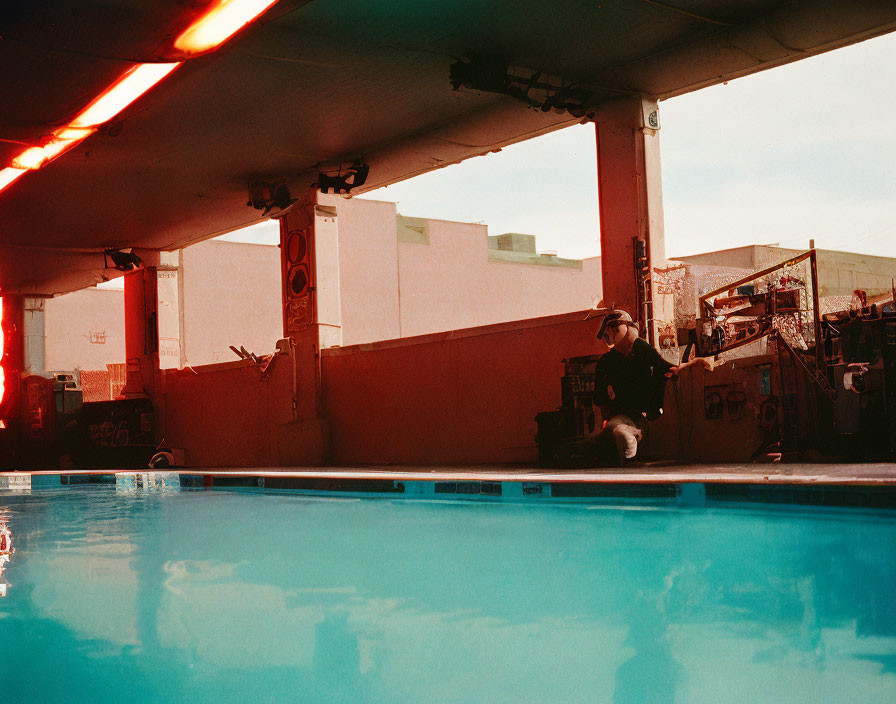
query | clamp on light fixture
[345, 178]
[265, 195]
[122, 259]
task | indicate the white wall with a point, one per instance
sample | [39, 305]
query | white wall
[451, 283]
[84, 330]
[368, 264]
[229, 293]
[231, 296]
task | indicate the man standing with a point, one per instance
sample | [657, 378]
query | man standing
[629, 383]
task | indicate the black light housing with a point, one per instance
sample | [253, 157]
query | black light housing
[122, 259]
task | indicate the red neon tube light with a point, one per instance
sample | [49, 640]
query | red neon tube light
[209, 32]
[2, 345]
[219, 24]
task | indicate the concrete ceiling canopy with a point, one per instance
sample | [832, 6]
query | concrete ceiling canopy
[323, 82]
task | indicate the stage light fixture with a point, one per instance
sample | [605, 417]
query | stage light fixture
[264, 195]
[122, 259]
[345, 179]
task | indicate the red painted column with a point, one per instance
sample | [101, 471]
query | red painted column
[12, 359]
[631, 201]
[12, 362]
[141, 331]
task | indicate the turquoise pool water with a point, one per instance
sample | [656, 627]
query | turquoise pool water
[236, 596]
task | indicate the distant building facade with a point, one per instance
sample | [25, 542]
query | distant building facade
[398, 277]
[839, 273]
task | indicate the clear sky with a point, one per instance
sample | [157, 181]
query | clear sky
[804, 151]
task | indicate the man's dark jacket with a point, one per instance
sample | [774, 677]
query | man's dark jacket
[638, 380]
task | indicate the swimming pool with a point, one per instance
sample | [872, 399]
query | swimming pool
[155, 593]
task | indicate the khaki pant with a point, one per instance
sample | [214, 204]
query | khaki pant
[626, 434]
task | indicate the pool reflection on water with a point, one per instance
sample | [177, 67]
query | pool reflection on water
[230, 596]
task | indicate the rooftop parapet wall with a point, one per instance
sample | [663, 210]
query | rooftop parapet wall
[461, 397]
[544, 259]
[471, 396]
[231, 414]
[516, 248]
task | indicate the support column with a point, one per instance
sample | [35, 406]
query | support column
[35, 337]
[631, 205]
[311, 320]
[12, 355]
[141, 331]
[11, 366]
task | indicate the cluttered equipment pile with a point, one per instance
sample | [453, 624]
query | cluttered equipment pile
[819, 374]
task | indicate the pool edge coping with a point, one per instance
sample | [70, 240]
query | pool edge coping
[517, 476]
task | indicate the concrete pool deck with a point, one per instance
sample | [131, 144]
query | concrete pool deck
[846, 474]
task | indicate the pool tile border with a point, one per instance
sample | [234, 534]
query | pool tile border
[666, 488]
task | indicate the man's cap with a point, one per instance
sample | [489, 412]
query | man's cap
[614, 317]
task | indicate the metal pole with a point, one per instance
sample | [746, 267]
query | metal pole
[816, 315]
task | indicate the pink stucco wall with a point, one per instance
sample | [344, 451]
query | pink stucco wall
[450, 283]
[231, 296]
[389, 289]
[368, 270]
[393, 289]
[229, 293]
[84, 330]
